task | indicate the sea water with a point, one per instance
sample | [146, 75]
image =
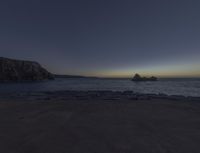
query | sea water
[185, 87]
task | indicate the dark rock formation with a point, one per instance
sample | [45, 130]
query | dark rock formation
[137, 77]
[18, 70]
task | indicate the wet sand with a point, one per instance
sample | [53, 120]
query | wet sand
[99, 122]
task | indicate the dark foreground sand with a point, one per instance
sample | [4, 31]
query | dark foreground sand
[80, 122]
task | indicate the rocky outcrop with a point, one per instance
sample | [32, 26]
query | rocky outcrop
[137, 77]
[18, 70]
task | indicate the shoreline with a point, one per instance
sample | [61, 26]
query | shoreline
[95, 94]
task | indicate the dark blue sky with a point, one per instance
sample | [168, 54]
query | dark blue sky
[104, 37]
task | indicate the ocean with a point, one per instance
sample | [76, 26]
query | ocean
[185, 87]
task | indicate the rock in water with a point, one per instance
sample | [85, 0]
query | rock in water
[18, 70]
[137, 78]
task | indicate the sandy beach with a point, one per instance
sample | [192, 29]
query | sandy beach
[98, 122]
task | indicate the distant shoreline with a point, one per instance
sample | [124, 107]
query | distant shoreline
[129, 78]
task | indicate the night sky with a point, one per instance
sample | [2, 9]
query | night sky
[113, 38]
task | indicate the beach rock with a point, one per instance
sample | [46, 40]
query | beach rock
[18, 70]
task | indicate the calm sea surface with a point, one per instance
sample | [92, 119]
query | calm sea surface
[186, 87]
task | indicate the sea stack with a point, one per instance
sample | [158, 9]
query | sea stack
[137, 77]
[19, 70]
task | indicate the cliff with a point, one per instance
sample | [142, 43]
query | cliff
[18, 70]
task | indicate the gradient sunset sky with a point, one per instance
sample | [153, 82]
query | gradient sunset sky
[108, 38]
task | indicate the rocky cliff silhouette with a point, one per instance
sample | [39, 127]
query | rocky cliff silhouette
[19, 70]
